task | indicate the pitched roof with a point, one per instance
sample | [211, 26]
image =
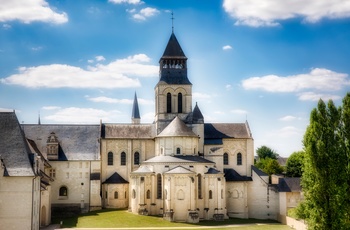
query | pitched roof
[135, 108]
[177, 128]
[196, 116]
[258, 171]
[115, 179]
[14, 149]
[215, 132]
[289, 184]
[232, 175]
[173, 48]
[128, 131]
[143, 169]
[76, 142]
[179, 170]
[213, 171]
[178, 159]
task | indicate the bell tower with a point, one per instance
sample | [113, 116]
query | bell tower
[173, 93]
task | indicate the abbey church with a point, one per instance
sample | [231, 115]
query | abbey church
[177, 167]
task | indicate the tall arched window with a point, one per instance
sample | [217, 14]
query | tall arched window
[63, 191]
[199, 186]
[136, 158]
[168, 103]
[159, 186]
[110, 158]
[123, 158]
[225, 159]
[115, 195]
[178, 150]
[239, 159]
[179, 103]
[148, 194]
[210, 194]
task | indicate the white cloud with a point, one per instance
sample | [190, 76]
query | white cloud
[258, 13]
[100, 58]
[227, 47]
[311, 96]
[239, 111]
[111, 100]
[289, 131]
[147, 117]
[29, 11]
[37, 48]
[144, 13]
[81, 115]
[134, 2]
[317, 79]
[287, 118]
[51, 108]
[6, 26]
[201, 96]
[117, 74]
[6, 110]
[228, 87]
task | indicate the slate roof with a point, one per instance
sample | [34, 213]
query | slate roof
[215, 132]
[76, 142]
[143, 169]
[177, 128]
[178, 159]
[115, 179]
[213, 171]
[179, 170]
[289, 184]
[258, 171]
[195, 117]
[128, 131]
[14, 149]
[232, 175]
[173, 48]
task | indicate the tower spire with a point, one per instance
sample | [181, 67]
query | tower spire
[135, 116]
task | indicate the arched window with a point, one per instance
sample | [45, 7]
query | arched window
[133, 194]
[210, 194]
[199, 186]
[168, 103]
[115, 195]
[148, 194]
[110, 158]
[63, 191]
[225, 159]
[239, 159]
[159, 186]
[123, 158]
[179, 103]
[178, 150]
[136, 158]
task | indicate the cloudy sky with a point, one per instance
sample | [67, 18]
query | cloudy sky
[265, 61]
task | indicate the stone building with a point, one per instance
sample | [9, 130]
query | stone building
[178, 167]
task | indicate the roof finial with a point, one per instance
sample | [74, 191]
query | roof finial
[39, 122]
[172, 21]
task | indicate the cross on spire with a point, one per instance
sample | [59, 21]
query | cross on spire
[172, 21]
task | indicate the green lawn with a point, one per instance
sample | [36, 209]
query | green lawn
[108, 218]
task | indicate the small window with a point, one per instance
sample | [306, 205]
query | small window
[239, 159]
[136, 158]
[110, 158]
[53, 173]
[210, 194]
[123, 158]
[115, 195]
[148, 194]
[179, 101]
[168, 103]
[178, 150]
[225, 159]
[133, 194]
[63, 191]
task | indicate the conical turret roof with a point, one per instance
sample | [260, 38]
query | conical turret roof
[177, 128]
[135, 109]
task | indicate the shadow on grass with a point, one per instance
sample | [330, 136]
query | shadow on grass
[122, 218]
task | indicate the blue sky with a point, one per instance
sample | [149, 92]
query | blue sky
[267, 61]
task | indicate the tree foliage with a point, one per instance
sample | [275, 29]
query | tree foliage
[325, 179]
[294, 165]
[266, 152]
[269, 166]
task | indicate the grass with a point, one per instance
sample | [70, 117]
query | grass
[108, 218]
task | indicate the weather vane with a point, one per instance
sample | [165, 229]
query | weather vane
[172, 21]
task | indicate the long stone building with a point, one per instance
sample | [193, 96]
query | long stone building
[178, 167]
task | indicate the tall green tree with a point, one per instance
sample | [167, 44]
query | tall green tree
[266, 152]
[294, 165]
[325, 177]
[269, 166]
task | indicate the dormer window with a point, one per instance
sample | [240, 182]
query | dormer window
[178, 151]
[52, 146]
